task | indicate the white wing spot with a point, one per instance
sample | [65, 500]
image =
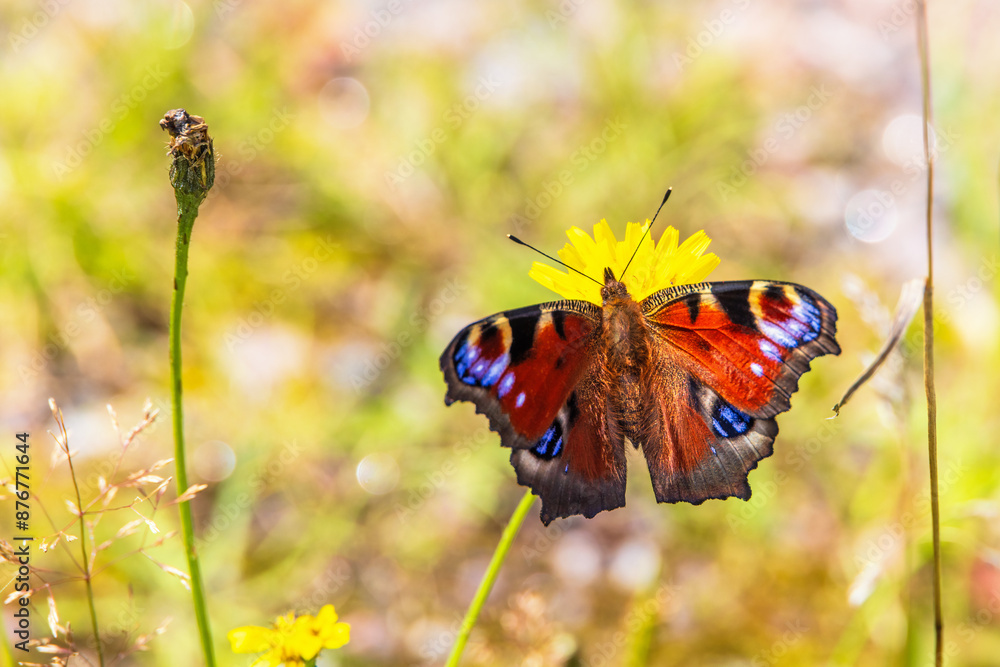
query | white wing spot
[777, 334]
[769, 349]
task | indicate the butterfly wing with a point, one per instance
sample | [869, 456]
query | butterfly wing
[578, 466]
[726, 358]
[534, 373]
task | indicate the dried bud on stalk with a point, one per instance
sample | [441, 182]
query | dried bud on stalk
[192, 171]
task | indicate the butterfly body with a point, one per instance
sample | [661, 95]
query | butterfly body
[693, 375]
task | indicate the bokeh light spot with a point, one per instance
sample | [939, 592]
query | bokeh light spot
[635, 565]
[378, 473]
[903, 140]
[214, 461]
[344, 102]
[577, 558]
[871, 215]
[178, 27]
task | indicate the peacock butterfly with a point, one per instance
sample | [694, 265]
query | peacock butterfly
[694, 375]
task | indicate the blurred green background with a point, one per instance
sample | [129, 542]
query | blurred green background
[372, 158]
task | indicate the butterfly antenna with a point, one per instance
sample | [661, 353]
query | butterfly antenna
[665, 198]
[520, 242]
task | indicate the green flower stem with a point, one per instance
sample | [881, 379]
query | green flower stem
[187, 211]
[642, 621]
[191, 175]
[486, 585]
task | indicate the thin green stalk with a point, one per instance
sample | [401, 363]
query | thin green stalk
[191, 174]
[932, 444]
[186, 216]
[486, 585]
[64, 442]
[641, 623]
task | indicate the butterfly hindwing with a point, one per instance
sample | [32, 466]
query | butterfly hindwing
[578, 466]
[727, 358]
[700, 446]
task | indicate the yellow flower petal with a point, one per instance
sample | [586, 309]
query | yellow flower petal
[331, 633]
[292, 641]
[251, 639]
[656, 266]
[306, 643]
[272, 658]
[337, 636]
[326, 616]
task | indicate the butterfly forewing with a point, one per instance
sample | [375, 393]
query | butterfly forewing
[728, 357]
[519, 367]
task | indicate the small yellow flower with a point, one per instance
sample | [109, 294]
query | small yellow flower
[656, 265]
[291, 641]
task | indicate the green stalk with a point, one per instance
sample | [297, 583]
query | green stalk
[192, 174]
[929, 390]
[486, 585]
[64, 442]
[642, 621]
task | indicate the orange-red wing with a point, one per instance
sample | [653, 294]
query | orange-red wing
[519, 367]
[578, 465]
[535, 372]
[726, 358]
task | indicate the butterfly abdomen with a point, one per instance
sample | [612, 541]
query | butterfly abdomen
[626, 346]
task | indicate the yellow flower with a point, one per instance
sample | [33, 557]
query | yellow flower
[655, 267]
[291, 641]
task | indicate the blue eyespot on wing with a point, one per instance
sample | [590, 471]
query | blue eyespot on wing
[747, 340]
[520, 366]
[728, 422]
